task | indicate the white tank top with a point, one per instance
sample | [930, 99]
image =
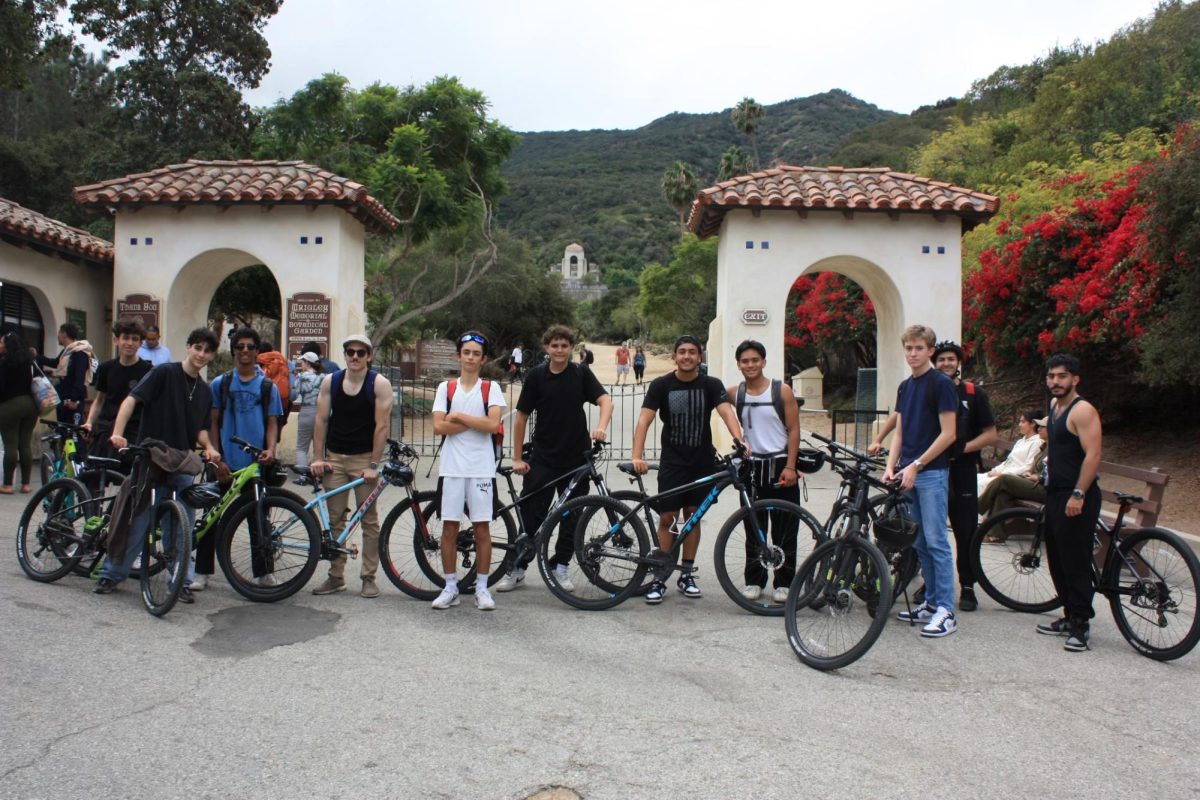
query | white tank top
[765, 432]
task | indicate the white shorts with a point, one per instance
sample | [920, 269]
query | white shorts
[474, 495]
[622, 369]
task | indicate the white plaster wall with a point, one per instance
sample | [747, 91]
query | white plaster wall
[57, 285]
[197, 247]
[882, 254]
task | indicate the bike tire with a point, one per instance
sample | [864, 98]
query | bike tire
[739, 542]
[45, 468]
[1155, 609]
[405, 531]
[285, 556]
[166, 551]
[1015, 572]
[608, 561]
[50, 530]
[103, 485]
[838, 603]
[426, 550]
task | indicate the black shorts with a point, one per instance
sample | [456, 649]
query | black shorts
[672, 477]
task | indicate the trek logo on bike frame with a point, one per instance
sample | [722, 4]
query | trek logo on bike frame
[700, 509]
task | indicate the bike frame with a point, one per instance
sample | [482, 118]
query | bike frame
[210, 518]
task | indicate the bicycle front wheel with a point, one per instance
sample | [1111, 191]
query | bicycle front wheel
[166, 551]
[51, 529]
[838, 603]
[1009, 558]
[1153, 594]
[426, 548]
[274, 563]
[45, 468]
[607, 562]
[759, 546]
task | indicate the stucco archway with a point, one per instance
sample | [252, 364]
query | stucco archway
[191, 293]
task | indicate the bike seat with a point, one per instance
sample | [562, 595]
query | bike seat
[99, 462]
[1127, 499]
[504, 471]
[627, 467]
[300, 470]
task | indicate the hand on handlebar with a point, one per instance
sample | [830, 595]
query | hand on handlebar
[520, 466]
[319, 467]
[874, 448]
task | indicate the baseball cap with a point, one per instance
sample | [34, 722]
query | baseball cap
[309, 357]
[1043, 422]
[360, 339]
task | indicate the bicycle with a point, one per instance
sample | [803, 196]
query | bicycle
[1150, 576]
[510, 546]
[840, 598]
[613, 554]
[68, 459]
[63, 523]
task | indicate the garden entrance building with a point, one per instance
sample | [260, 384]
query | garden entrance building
[898, 236]
[182, 229]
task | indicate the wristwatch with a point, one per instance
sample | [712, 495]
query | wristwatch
[372, 465]
[919, 464]
[1077, 494]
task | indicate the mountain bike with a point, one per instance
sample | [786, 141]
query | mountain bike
[612, 552]
[1150, 576]
[63, 524]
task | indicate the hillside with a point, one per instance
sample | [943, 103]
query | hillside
[601, 187]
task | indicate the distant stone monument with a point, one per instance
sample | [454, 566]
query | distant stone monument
[580, 278]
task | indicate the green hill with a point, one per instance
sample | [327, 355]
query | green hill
[601, 187]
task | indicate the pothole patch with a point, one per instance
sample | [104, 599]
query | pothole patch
[554, 793]
[243, 631]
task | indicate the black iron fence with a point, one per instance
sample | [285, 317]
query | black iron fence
[856, 427]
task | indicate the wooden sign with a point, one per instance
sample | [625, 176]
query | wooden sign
[308, 315]
[436, 355]
[140, 307]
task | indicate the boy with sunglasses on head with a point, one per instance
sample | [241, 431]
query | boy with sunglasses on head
[467, 412]
[354, 409]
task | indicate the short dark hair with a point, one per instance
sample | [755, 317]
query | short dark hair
[750, 344]
[1065, 360]
[128, 327]
[71, 329]
[244, 332]
[311, 347]
[687, 338]
[558, 332]
[203, 336]
[468, 336]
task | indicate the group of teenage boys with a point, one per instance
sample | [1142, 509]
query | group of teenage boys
[941, 424]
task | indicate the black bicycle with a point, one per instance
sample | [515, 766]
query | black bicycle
[613, 554]
[1150, 576]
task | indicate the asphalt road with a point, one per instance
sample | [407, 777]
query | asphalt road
[339, 696]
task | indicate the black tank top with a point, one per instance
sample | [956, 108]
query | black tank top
[351, 420]
[1065, 453]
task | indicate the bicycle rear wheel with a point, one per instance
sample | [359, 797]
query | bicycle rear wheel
[761, 544]
[408, 545]
[103, 485]
[427, 553]
[275, 564]
[1153, 594]
[607, 562]
[51, 529]
[838, 603]
[165, 555]
[1013, 570]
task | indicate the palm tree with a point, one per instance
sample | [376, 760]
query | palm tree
[746, 116]
[734, 162]
[679, 189]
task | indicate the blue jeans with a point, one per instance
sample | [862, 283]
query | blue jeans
[117, 572]
[928, 499]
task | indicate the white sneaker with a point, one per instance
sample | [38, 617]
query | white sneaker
[137, 563]
[509, 581]
[563, 579]
[267, 580]
[779, 595]
[484, 600]
[448, 597]
[922, 613]
[942, 624]
[752, 592]
[199, 583]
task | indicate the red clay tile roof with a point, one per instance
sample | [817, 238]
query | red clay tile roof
[18, 222]
[234, 182]
[837, 189]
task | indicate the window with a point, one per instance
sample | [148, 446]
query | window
[20, 313]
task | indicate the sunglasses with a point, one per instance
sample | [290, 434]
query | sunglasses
[473, 337]
[355, 352]
[245, 347]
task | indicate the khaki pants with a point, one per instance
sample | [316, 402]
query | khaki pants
[346, 469]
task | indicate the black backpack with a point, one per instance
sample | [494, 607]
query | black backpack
[776, 400]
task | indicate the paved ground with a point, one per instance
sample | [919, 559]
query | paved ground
[344, 697]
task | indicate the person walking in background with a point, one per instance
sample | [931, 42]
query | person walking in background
[639, 365]
[328, 367]
[72, 370]
[309, 371]
[516, 359]
[18, 410]
[114, 380]
[622, 356]
[152, 349]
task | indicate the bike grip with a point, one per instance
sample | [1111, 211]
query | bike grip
[824, 439]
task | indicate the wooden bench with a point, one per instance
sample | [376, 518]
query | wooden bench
[1149, 484]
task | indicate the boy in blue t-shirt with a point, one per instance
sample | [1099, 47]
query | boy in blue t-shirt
[926, 403]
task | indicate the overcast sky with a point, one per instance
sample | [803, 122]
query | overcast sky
[561, 64]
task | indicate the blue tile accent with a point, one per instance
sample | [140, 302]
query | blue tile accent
[764, 246]
[320, 240]
[941, 250]
[133, 240]
[749, 245]
[149, 240]
[924, 248]
[303, 240]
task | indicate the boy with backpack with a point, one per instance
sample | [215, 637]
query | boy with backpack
[770, 419]
[245, 404]
[467, 412]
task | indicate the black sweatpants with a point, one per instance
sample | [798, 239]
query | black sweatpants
[781, 527]
[963, 508]
[1069, 550]
[533, 509]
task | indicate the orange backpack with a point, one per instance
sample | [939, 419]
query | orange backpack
[276, 368]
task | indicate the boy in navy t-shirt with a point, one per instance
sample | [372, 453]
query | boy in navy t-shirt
[926, 403]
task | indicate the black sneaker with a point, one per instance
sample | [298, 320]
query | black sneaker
[1077, 640]
[966, 600]
[687, 585]
[185, 596]
[1060, 627]
[105, 586]
[656, 593]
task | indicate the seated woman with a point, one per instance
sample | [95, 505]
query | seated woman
[1020, 458]
[1006, 490]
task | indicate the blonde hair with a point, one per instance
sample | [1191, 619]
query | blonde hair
[913, 332]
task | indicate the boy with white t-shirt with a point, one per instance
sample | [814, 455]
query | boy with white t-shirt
[468, 464]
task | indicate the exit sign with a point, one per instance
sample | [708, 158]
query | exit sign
[754, 316]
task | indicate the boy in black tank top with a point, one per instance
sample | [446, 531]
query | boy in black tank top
[1072, 499]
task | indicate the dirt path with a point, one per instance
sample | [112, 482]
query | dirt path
[605, 365]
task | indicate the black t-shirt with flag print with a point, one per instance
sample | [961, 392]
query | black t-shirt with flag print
[685, 408]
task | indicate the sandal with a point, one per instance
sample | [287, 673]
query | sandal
[6, 490]
[26, 488]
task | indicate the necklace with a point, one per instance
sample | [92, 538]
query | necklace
[191, 385]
